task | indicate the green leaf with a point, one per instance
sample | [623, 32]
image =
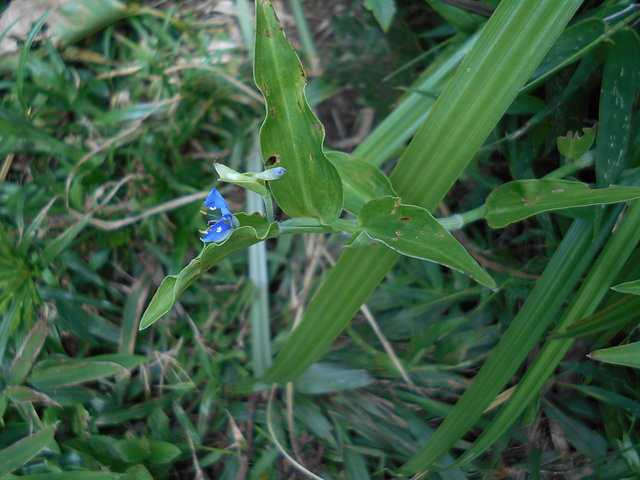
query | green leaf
[383, 10]
[556, 283]
[620, 81]
[124, 360]
[393, 132]
[613, 316]
[626, 355]
[161, 302]
[28, 352]
[133, 450]
[573, 146]
[16, 455]
[610, 398]
[460, 18]
[291, 135]
[413, 232]
[252, 229]
[163, 452]
[72, 373]
[81, 475]
[19, 394]
[361, 181]
[139, 111]
[572, 44]
[53, 249]
[629, 287]
[584, 438]
[326, 378]
[12, 123]
[515, 201]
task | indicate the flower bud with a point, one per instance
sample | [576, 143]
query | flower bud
[271, 174]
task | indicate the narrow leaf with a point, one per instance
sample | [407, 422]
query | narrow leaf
[53, 249]
[14, 124]
[161, 302]
[515, 201]
[412, 231]
[72, 374]
[326, 378]
[629, 287]
[21, 452]
[383, 10]
[28, 352]
[253, 229]
[608, 265]
[610, 398]
[291, 135]
[627, 355]
[620, 81]
[569, 47]
[613, 316]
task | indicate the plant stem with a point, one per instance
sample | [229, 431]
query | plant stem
[455, 222]
[565, 170]
[268, 204]
[313, 225]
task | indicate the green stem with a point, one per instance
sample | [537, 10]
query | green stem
[313, 225]
[565, 170]
[268, 204]
[455, 222]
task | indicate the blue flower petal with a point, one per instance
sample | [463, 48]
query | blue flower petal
[215, 202]
[217, 232]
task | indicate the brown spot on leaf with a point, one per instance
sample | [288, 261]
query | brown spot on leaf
[438, 234]
[393, 212]
[399, 233]
[396, 204]
[266, 90]
[422, 232]
[373, 244]
[273, 159]
[317, 126]
[301, 70]
[404, 219]
[272, 111]
[299, 106]
[394, 239]
[268, 33]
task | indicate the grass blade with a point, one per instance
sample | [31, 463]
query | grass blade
[617, 251]
[21, 452]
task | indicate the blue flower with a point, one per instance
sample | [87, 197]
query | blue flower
[220, 228]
